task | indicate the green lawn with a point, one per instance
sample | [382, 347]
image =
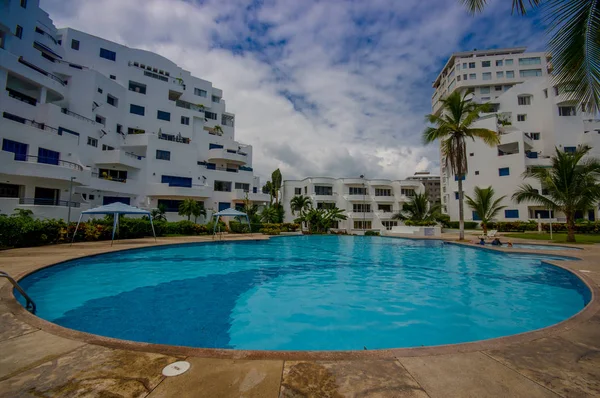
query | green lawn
[556, 237]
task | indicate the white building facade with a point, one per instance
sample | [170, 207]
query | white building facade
[111, 122]
[368, 204]
[532, 118]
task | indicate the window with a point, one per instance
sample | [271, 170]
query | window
[216, 99]
[499, 62]
[472, 154]
[200, 93]
[162, 115]
[566, 111]
[100, 90]
[545, 93]
[476, 216]
[24, 3]
[498, 88]
[214, 146]
[510, 74]
[487, 76]
[101, 120]
[222, 186]
[110, 100]
[185, 120]
[107, 147]
[456, 178]
[383, 192]
[176, 181]
[556, 92]
[18, 148]
[210, 115]
[163, 155]
[511, 213]
[107, 54]
[486, 64]
[297, 191]
[92, 142]
[570, 149]
[113, 77]
[484, 90]
[524, 99]
[471, 65]
[465, 77]
[137, 87]
[75, 44]
[530, 61]
[361, 208]
[119, 129]
[410, 192]
[362, 224]
[499, 75]
[171, 205]
[530, 72]
[385, 208]
[472, 76]
[114, 175]
[504, 171]
[535, 136]
[464, 65]
[91, 197]
[19, 31]
[323, 190]
[456, 195]
[357, 191]
[506, 88]
[47, 156]
[389, 224]
[476, 172]
[137, 110]
[508, 62]
[458, 78]
[521, 118]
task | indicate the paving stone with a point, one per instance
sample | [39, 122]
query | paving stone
[470, 375]
[570, 369]
[11, 327]
[32, 349]
[337, 379]
[223, 378]
[90, 371]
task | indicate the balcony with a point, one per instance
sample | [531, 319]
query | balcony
[383, 199]
[52, 169]
[165, 190]
[78, 116]
[120, 157]
[47, 202]
[173, 138]
[384, 215]
[127, 186]
[32, 123]
[227, 155]
[21, 97]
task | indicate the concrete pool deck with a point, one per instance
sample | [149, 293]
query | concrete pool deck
[38, 358]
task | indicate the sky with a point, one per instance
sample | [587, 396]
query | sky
[319, 87]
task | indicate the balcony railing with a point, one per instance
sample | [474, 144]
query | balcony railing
[22, 120]
[174, 138]
[188, 105]
[21, 97]
[77, 115]
[47, 202]
[41, 32]
[47, 160]
[43, 72]
[109, 178]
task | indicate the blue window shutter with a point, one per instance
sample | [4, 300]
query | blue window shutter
[570, 149]
[18, 148]
[511, 213]
[137, 110]
[163, 116]
[476, 216]
[47, 156]
[456, 178]
[107, 54]
[504, 171]
[224, 205]
[456, 195]
[214, 146]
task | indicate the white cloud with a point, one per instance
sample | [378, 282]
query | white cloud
[359, 72]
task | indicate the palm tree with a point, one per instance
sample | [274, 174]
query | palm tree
[276, 180]
[418, 209]
[198, 211]
[485, 205]
[218, 130]
[571, 184]
[25, 213]
[333, 215]
[158, 214]
[188, 208]
[269, 215]
[452, 128]
[268, 188]
[300, 203]
[574, 27]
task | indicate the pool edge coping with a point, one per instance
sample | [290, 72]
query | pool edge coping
[587, 312]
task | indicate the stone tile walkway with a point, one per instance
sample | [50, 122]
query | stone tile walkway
[38, 359]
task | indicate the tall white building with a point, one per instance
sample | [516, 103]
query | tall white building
[368, 204]
[532, 118]
[119, 124]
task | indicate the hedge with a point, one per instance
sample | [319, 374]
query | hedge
[468, 224]
[241, 227]
[513, 226]
[411, 223]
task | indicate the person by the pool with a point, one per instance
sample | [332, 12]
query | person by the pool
[482, 242]
[509, 244]
[496, 242]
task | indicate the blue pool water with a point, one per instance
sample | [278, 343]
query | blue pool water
[307, 293]
[541, 247]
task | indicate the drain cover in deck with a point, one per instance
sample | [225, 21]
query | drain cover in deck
[176, 368]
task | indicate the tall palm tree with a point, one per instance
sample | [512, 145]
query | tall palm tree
[453, 128]
[418, 209]
[188, 208]
[268, 188]
[571, 184]
[300, 203]
[484, 204]
[276, 180]
[198, 211]
[574, 28]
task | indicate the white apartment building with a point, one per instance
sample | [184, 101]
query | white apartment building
[532, 117]
[431, 183]
[115, 123]
[368, 204]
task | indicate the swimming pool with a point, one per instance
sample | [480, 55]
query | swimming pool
[541, 247]
[307, 293]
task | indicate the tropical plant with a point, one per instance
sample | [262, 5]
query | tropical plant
[574, 28]
[484, 204]
[453, 128]
[570, 184]
[269, 214]
[198, 211]
[320, 220]
[276, 180]
[23, 213]
[418, 208]
[268, 188]
[217, 130]
[190, 207]
[158, 214]
[300, 203]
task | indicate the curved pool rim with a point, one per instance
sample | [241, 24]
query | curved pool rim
[22, 314]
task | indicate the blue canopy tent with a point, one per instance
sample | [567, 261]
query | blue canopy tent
[115, 209]
[230, 213]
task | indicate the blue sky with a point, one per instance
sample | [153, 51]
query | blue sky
[319, 88]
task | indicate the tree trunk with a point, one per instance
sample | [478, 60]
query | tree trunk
[570, 228]
[484, 227]
[189, 216]
[461, 210]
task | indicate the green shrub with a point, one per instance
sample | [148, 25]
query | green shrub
[238, 227]
[513, 226]
[468, 224]
[411, 223]
[371, 233]
[270, 230]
